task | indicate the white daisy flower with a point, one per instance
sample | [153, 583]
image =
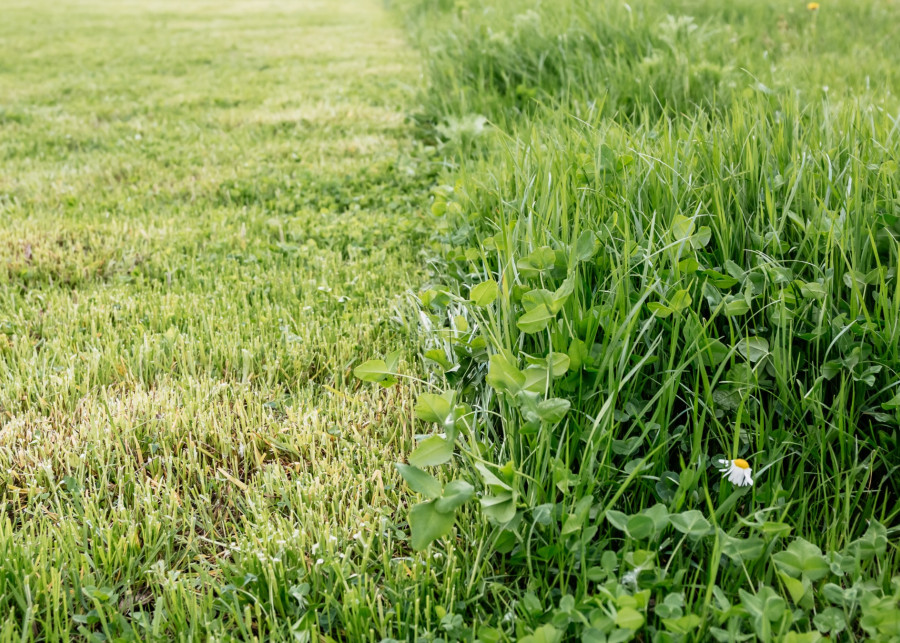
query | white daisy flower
[737, 471]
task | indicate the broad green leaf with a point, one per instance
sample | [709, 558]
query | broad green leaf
[701, 238]
[753, 348]
[775, 529]
[640, 527]
[671, 607]
[813, 290]
[683, 624]
[872, 544]
[691, 523]
[876, 275]
[543, 258]
[742, 549]
[392, 360]
[779, 274]
[845, 597]
[780, 316]
[623, 161]
[575, 521]
[553, 410]
[667, 486]
[432, 408]
[893, 403]
[720, 280]
[799, 589]
[534, 298]
[831, 368]
[627, 446]
[578, 352]
[713, 352]
[680, 300]
[500, 507]
[593, 635]
[420, 481]
[658, 309]
[493, 482]
[485, 293]
[489, 634]
[659, 515]
[688, 265]
[504, 375]
[585, 246]
[436, 299]
[543, 514]
[456, 494]
[536, 378]
[431, 451]
[831, 619]
[375, 370]
[629, 618]
[736, 306]
[438, 355]
[617, 519]
[558, 299]
[854, 278]
[558, 363]
[840, 564]
[543, 634]
[100, 594]
[427, 524]
[711, 294]
[609, 561]
[802, 557]
[535, 320]
[734, 270]
[682, 227]
[802, 637]
[765, 604]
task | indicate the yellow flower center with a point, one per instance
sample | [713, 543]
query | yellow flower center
[741, 464]
[813, 6]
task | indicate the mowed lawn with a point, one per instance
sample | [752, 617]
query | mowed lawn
[209, 216]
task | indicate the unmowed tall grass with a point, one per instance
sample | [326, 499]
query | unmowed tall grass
[668, 235]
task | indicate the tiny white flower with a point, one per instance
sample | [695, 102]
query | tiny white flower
[737, 471]
[319, 561]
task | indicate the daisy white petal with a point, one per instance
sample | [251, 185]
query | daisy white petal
[738, 472]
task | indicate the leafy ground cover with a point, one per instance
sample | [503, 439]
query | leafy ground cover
[662, 234]
[669, 237]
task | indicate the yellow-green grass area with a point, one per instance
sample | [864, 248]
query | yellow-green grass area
[209, 216]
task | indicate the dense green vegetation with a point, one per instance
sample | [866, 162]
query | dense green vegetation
[669, 236]
[644, 237]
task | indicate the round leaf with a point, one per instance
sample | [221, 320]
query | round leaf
[485, 293]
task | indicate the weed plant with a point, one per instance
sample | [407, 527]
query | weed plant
[668, 236]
